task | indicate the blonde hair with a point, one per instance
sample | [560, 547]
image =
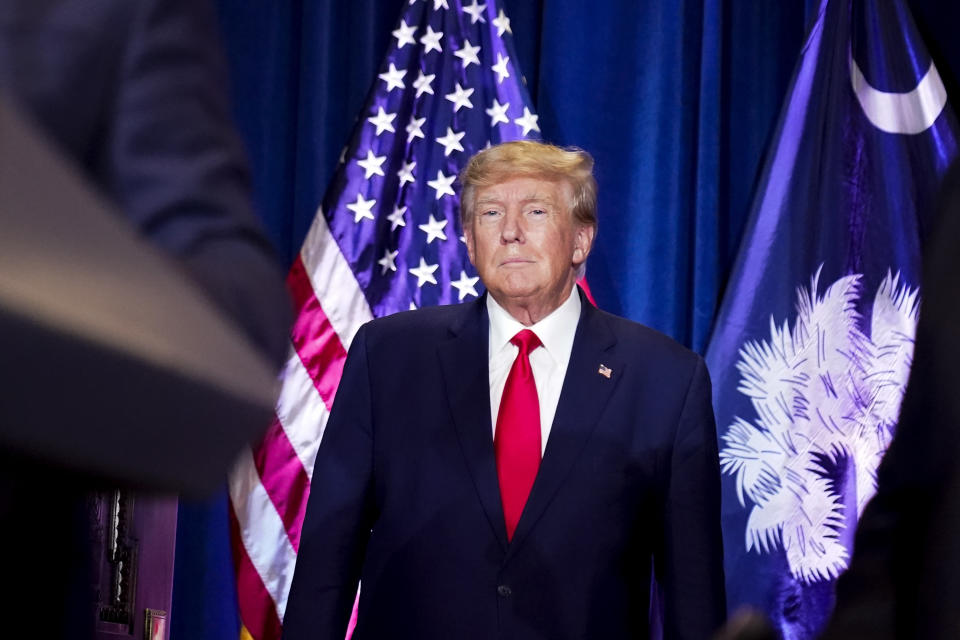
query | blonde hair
[528, 158]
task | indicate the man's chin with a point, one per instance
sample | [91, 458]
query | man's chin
[513, 299]
[514, 291]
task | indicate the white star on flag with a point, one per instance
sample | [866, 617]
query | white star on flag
[405, 173]
[373, 165]
[414, 128]
[424, 273]
[404, 34]
[396, 218]
[465, 285]
[431, 40]
[442, 185]
[422, 84]
[500, 68]
[460, 98]
[475, 11]
[393, 77]
[434, 229]
[528, 121]
[361, 208]
[451, 141]
[383, 121]
[468, 54]
[387, 262]
[502, 23]
[440, 4]
[498, 113]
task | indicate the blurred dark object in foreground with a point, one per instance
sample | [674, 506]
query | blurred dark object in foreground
[133, 94]
[115, 365]
[904, 576]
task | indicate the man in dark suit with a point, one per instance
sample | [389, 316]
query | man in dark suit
[511, 468]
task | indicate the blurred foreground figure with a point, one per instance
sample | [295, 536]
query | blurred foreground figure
[904, 576]
[133, 92]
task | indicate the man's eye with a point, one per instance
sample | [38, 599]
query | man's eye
[490, 213]
[538, 212]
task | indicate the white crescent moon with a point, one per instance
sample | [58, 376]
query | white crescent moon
[912, 112]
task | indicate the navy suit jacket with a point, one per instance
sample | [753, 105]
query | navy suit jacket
[405, 495]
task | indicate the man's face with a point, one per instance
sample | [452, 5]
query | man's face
[525, 245]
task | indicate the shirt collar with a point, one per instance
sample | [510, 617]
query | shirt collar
[556, 331]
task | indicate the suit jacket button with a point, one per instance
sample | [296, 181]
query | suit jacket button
[504, 591]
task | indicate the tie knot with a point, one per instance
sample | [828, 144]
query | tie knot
[526, 340]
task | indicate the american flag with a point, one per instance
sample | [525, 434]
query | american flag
[387, 238]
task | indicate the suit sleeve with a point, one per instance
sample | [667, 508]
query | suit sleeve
[339, 514]
[690, 562]
[175, 166]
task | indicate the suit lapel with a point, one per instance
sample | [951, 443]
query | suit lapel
[584, 394]
[464, 360]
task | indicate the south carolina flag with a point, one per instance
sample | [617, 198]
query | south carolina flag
[814, 339]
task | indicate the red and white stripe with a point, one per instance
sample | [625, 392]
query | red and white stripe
[270, 482]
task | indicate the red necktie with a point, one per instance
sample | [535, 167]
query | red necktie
[517, 439]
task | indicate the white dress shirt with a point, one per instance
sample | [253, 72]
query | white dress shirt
[548, 362]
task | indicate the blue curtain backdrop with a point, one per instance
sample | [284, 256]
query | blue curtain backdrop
[647, 87]
[675, 99]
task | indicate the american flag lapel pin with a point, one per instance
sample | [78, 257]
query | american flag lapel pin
[605, 371]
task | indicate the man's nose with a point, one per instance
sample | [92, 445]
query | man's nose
[511, 229]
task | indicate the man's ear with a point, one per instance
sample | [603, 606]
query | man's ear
[582, 243]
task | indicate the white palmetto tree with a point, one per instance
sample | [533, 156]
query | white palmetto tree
[822, 391]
